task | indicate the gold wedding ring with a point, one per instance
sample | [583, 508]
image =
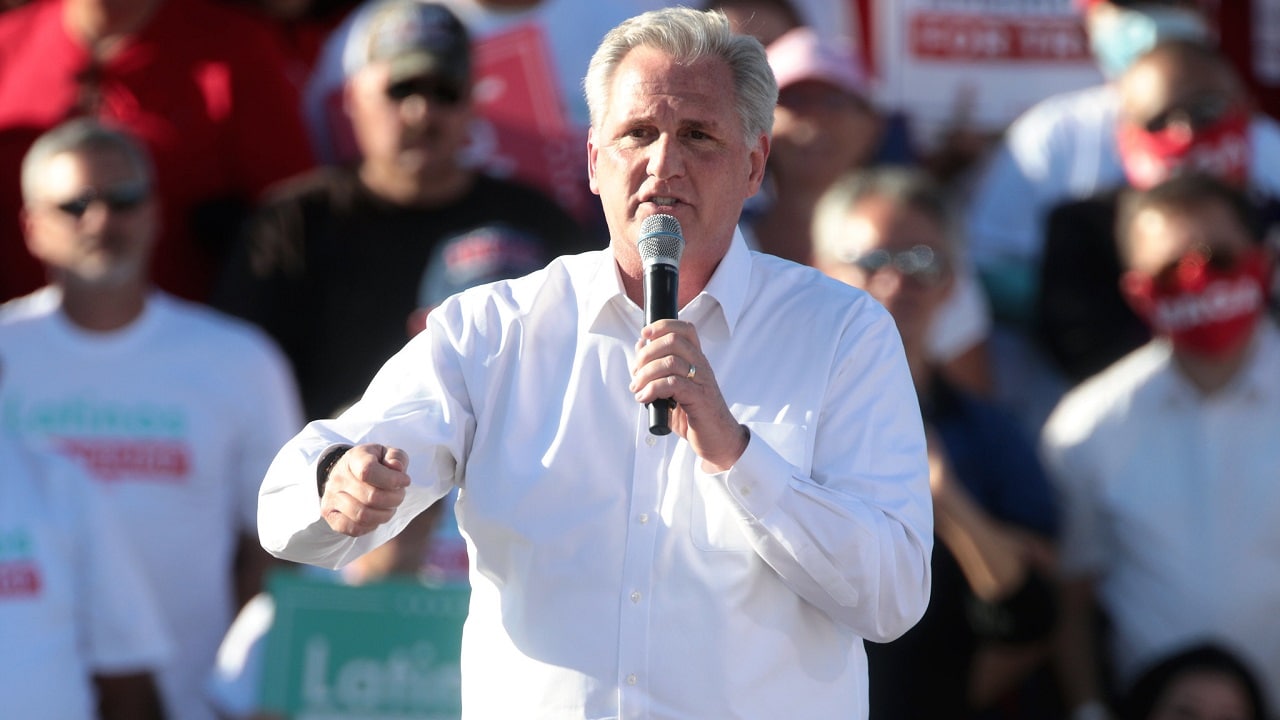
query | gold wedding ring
[693, 370]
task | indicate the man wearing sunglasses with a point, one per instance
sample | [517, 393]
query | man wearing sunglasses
[174, 409]
[886, 231]
[1166, 461]
[1063, 148]
[1182, 109]
[349, 246]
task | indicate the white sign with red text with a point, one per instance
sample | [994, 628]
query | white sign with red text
[973, 63]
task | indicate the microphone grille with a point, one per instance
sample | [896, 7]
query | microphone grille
[660, 240]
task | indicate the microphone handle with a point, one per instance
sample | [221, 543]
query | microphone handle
[661, 293]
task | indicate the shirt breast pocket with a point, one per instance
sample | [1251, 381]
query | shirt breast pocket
[718, 523]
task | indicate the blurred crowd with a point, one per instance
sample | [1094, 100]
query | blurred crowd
[1071, 208]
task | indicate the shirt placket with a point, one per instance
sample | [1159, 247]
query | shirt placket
[634, 627]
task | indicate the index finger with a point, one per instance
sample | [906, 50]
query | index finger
[667, 326]
[395, 458]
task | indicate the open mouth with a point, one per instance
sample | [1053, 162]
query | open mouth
[662, 201]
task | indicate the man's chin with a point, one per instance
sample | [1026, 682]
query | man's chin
[106, 277]
[420, 159]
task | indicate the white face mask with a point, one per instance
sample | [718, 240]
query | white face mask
[1120, 37]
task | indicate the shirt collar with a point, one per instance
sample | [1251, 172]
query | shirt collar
[730, 283]
[727, 288]
[1256, 381]
[604, 289]
[1260, 373]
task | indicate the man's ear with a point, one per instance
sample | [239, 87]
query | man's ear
[758, 159]
[348, 88]
[29, 234]
[592, 152]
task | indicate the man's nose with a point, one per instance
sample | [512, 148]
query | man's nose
[888, 281]
[97, 215]
[1181, 127]
[416, 109]
[666, 158]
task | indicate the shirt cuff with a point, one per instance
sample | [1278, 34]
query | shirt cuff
[759, 478]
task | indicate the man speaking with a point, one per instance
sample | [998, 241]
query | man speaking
[727, 569]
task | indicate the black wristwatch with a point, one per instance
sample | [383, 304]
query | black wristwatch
[325, 466]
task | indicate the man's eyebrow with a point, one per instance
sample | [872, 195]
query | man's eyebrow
[708, 125]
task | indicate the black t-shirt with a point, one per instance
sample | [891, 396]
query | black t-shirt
[334, 273]
[1083, 321]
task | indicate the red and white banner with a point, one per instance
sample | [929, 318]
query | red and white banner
[970, 63]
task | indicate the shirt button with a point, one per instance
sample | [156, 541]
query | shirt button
[635, 596]
[631, 679]
[745, 490]
[651, 441]
[644, 518]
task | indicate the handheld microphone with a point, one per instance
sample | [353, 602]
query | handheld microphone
[661, 244]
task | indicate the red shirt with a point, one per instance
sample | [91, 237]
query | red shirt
[202, 85]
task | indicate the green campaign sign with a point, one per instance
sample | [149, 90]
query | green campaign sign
[373, 652]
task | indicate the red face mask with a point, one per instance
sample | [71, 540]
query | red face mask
[1203, 310]
[1220, 149]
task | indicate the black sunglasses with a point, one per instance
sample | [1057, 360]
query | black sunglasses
[118, 199]
[1196, 113]
[426, 88]
[920, 263]
[1220, 259]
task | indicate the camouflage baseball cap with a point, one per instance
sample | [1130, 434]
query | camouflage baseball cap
[419, 39]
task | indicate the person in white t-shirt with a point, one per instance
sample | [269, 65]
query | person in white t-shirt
[82, 632]
[1165, 462]
[173, 408]
[1063, 148]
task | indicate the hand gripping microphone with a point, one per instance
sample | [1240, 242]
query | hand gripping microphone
[661, 244]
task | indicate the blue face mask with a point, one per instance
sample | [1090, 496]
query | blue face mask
[1117, 39]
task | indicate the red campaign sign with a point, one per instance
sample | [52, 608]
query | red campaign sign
[19, 579]
[516, 81]
[529, 137]
[110, 459]
[937, 36]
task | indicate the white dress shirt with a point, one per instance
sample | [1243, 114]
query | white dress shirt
[611, 578]
[1169, 502]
